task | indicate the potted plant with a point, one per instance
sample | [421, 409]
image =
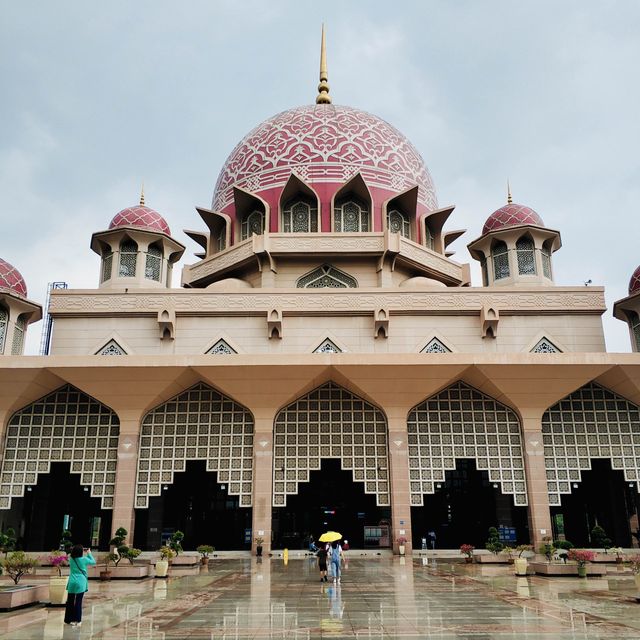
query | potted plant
[582, 556]
[401, 542]
[634, 561]
[175, 542]
[204, 550]
[66, 543]
[110, 558]
[619, 554]
[467, 551]
[18, 564]
[599, 538]
[162, 566]
[546, 548]
[119, 538]
[57, 582]
[494, 544]
[520, 563]
[8, 541]
[259, 542]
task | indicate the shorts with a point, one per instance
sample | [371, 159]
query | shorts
[322, 566]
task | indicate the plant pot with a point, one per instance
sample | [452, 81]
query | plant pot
[401, 549]
[204, 561]
[582, 571]
[259, 550]
[162, 568]
[468, 559]
[618, 560]
[105, 575]
[58, 590]
[520, 566]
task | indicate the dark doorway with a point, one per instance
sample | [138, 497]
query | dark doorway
[330, 501]
[199, 507]
[57, 501]
[464, 507]
[603, 497]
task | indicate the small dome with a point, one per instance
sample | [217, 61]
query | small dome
[417, 282]
[11, 279]
[141, 217]
[511, 215]
[634, 283]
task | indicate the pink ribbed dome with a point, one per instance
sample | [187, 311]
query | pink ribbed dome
[11, 279]
[634, 283]
[141, 217]
[511, 215]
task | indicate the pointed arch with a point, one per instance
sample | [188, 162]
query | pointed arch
[352, 207]
[461, 422]
[526, 255]
[66, 425]
[4, 326]
[592, 422]
[252, 215]
[399, 213]
[326, 276]
[198, 424]
[500, 260]
[127, 263]
[299, 207]
[330, 422]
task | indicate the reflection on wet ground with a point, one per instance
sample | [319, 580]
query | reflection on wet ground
[377, 598]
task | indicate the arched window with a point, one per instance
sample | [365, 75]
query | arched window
[398, 222]
[525, 251]
[350, 216]
[300, 216]
[326, 276]
[546, 260]
[635, 329]
[252, 223]
[428, 237]
[153, 263]
[128, 257]
[107, 265]
[485, 271]
[500, 257]
[4, 324]
[18, 336]
[222, 239]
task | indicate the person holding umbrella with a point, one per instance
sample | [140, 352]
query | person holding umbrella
[333, 537]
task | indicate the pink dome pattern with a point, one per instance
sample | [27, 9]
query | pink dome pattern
[324, 143]
[511, 215]
[11, 279]
[141, 217]
[634, 283]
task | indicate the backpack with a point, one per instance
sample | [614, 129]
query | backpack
[335, 553]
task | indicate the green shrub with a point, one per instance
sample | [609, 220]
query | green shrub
[18, 564]
[599, 538]
[494, 544]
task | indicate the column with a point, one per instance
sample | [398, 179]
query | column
[262, 477]
[536, 475]
[125, 491]
[399, 477]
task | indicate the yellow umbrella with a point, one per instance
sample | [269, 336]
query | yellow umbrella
[330, 536]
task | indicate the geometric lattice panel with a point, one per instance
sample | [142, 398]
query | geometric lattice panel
[545, 346]
[330, 422]
[197, 424]
[592, 422]
[460, 422]
[112, 348]
[64, 426]
[221, 347]
[435, 346]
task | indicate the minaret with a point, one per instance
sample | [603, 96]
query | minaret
[323, 96]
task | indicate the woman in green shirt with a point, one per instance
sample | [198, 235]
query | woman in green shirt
[78, 583]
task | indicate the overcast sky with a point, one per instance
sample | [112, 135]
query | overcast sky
[97, 97]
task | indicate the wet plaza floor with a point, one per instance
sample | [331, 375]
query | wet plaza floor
[377, 598]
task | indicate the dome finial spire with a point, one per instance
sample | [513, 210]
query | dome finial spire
[142, 195]
[323, 96]
[509, 198]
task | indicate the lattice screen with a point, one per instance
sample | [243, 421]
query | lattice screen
[330, 422]
[64, 426]
[461, 422]
[198, 424]
[435, 346]
[592, 422]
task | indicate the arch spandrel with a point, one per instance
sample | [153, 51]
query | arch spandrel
[590, 423]
[198, 424]
[66, 425]
[461, 422]
[330, 422]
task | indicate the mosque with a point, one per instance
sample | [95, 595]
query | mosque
[326, 364]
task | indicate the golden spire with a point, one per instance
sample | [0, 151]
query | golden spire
[323, 96]
[142, 195]
[509, 198]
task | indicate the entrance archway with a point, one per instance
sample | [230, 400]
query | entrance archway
[200, 506]
[331, 500]
[604, 498]
[462, 509]
[56, 502]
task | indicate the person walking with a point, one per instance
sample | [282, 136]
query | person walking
[322, 563]
[336, 557]
[78, 584]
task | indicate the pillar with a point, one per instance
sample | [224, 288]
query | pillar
[126, 470]
[262, 478]
[536, 475]
[399, 478]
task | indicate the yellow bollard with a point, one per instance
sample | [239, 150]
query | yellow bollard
[285, 556]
